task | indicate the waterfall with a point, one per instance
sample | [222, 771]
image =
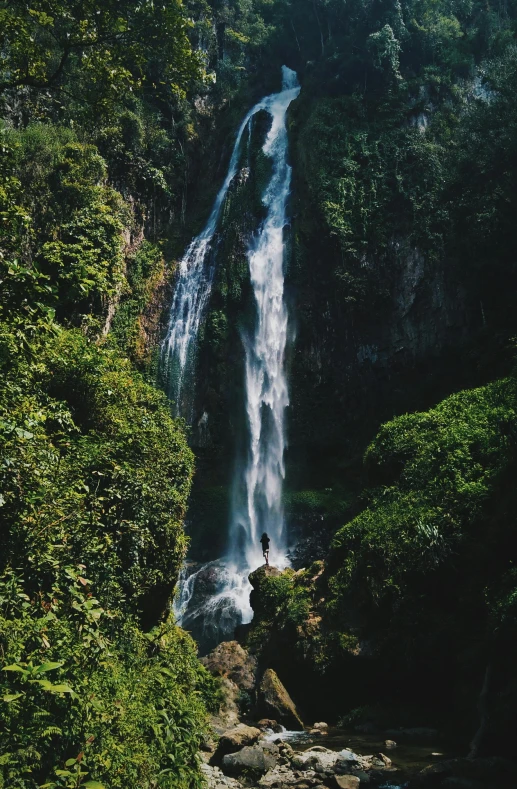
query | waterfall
[192, 292]
[257, 500]
[258, 487]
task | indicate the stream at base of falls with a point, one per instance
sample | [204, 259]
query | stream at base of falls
[408, 757]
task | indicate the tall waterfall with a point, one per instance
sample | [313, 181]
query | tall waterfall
[257, 501]
[192, 290]
[258, 495]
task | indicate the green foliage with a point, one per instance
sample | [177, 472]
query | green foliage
[95, 476]
[94, 479]
[332, 502]
[71, 222]
[425, 572]
[437, 471]
[280, 603]
[146, 275]
[109, 48]
[106, 469]
[87, 697]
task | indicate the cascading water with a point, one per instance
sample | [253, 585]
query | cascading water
[257, 502]
[192, 292]
[258, 492]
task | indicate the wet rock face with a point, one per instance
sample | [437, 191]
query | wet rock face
[274, 701]
[211, 614]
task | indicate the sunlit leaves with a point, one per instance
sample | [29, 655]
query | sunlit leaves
[112, 46]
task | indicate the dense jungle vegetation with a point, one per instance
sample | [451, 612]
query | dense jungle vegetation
[116, 122]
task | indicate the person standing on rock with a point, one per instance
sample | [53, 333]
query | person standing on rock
[265, 547]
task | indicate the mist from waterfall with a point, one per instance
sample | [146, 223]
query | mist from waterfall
[257, 494]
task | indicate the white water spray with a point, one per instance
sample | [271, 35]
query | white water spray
[258, 493]
[257, 504]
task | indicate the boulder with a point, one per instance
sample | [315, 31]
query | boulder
[390, 744]
[230, 660]
[229, 711]
[274, 701]
[254, 759]
[344, 782]
[319, 759]
[380, 760]
[268, 723]
[233, 740]
[285, 749]
[282, 777]
[319, 749]
[236, 668]
[278, 776]
[365, 778]
[320, 726]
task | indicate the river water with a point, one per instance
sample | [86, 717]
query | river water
[408, 758]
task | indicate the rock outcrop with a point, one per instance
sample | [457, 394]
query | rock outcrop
[274, 701]
[236, 669]
[256, 579]
[231, 661]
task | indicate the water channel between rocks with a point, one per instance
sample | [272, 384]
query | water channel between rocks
[406, 756]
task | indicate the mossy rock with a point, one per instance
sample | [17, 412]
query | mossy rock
[275, 702]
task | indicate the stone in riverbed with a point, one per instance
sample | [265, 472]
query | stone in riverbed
[234, 739]
[380, 760]
[319, 749]
[285, 749]
[320, 726]
[275, 701]
[268, 723]
[256, 759]
[390, 744]
[215, 779]
[344, 782]
[316, 758]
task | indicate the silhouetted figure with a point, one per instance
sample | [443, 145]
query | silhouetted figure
[265, 547]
